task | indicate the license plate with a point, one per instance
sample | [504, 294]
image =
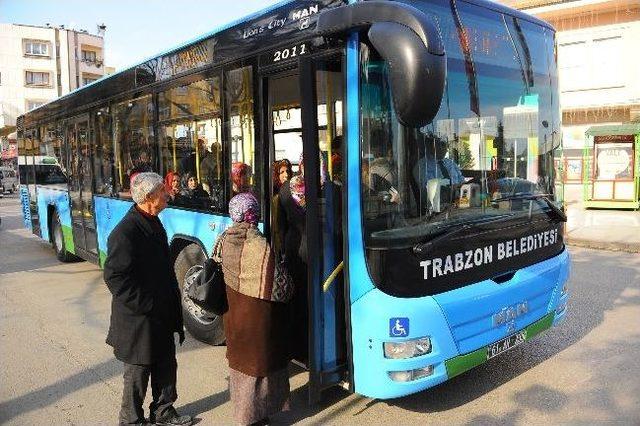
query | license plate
[505, 344]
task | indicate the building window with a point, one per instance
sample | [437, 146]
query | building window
[88, 80]
[595, 63]
[607, 62]
[37, 78]
[88, 56]
[36, 48]
[572, 62]
[31, 104]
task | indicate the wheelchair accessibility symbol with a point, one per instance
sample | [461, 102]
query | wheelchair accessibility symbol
[398, 327]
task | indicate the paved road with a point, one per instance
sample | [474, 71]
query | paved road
[56, 368]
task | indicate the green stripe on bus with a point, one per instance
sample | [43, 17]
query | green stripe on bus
[540, 325]
[67, 234]
[460, 364]
[103, 257]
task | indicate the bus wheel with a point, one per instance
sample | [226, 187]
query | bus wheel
[58, 242]
[201, 324]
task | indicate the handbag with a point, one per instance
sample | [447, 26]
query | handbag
[206, 286]
[283, 285]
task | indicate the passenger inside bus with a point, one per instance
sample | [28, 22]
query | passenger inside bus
[437, 178]
[241, 175]
[282, 172]
[193, 195]
[173, 186]
[211, 168]
[336, 160]
[189, 163]
[380, 181]
[292, 225]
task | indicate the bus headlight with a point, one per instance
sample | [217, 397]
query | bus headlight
[407, 349]
[410, 375]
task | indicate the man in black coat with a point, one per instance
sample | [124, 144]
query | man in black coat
[145, 309]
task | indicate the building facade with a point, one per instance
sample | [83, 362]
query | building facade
[598, 70]
[39, 64]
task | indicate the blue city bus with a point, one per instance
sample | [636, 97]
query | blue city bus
[433, 225]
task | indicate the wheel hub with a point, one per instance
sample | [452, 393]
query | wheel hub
[201, 315]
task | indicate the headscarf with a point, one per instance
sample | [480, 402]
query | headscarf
[276, 173]
[296, 184]
[244, 208]
[168, 180]
[238, 171]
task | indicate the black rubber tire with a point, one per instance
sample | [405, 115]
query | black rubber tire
[204, 326]
[58, 243]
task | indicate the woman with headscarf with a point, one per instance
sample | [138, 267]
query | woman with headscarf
[255, 324]
[172, 186]
[241, 178]
[292, 225]
[282, 172]
[193, 192]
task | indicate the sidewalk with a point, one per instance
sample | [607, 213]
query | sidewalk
[617, 230]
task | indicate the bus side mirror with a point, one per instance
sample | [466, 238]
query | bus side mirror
[417, 76]
[408, 40]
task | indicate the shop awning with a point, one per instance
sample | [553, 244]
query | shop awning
[614, 129]
[4, 131]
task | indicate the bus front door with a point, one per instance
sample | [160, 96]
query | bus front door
[303, 113]
[80, 193]
[322, 94]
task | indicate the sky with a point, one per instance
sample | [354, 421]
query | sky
[136, 29]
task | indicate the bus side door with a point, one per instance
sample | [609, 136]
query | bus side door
[80, 193]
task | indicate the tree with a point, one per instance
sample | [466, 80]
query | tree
[463, 154]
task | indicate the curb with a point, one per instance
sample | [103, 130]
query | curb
[603, 245]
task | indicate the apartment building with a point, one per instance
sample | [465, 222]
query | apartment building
[598, 69]
[41, 63]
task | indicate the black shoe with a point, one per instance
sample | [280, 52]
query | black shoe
[172, 418]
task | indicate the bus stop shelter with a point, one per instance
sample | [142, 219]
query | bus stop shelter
[611, 173]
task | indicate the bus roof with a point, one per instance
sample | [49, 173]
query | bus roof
[488, 4]
[180, 46]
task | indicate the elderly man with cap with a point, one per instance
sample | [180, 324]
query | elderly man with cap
[145, 309]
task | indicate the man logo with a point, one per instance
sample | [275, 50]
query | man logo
[305, 12]
[508, 314]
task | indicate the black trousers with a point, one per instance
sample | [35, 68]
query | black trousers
[163, 389]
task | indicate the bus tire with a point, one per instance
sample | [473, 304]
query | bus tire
[57, 240]
[202, 325]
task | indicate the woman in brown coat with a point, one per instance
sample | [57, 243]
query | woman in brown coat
[256, 323]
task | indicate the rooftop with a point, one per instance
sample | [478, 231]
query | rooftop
[58, 27]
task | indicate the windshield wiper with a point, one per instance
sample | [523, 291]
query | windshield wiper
[453, 229]
[560, 214]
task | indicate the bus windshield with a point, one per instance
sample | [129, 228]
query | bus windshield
[491, 143]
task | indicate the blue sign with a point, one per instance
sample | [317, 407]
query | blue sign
[398, 327]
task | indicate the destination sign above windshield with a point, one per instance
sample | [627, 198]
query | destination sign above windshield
[285, 25]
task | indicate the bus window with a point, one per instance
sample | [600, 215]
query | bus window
[238, 92]
[53, 144]
[103, 153]
[30, 150]
[191, 144]
[135, 143]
